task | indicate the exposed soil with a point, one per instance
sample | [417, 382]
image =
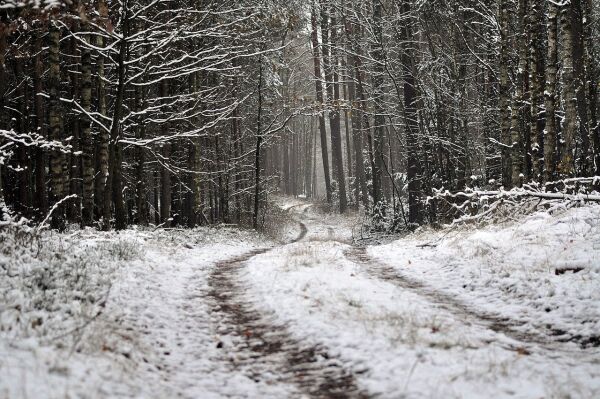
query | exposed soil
[267, 351]
[548, 338]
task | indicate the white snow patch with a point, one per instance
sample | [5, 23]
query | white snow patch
[397, 342]
[154, 338]
[544, 271]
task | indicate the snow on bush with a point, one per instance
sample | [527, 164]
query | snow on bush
[53, 285]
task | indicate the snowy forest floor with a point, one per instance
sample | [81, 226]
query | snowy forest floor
[506, 310]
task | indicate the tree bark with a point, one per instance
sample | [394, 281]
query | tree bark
[593, 71]
[566, 166]
[85, 124]
[114, 185]
[411, 123]
[259, 139]
[334, 118]
[584, 157]
[41, 197]
[320, 99]
[550, 131]
[504, 94]
[519, 109]
[102, 195]
[57, 158]
[537, 90]
[378, 97]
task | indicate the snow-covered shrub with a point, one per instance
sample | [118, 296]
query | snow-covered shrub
[125, 250]
[53, 285]
[386, 218]
[474, 205]
[278, 223]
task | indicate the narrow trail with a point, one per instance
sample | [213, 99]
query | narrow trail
[549, 340]
[264, 350]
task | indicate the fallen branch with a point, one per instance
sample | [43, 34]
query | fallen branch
[516, 193]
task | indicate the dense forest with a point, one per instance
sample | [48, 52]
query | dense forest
[181, 113]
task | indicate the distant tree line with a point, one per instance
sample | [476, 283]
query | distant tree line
[451, 94]
[183, 113]
[115, 112]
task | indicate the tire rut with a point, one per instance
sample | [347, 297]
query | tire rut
[499, 324]
[264, 350]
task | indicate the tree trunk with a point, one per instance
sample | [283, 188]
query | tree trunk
[320, 99]
[584, 157]
[550, 132]
[23, 153]
[566, 166]
[504, 94]
[411, 124]
[102, 190]
[259, 139]
[3, 113]
[593, 72]
[114, 185]
[165, 174]
[85, 123]
[57, 158]
[355, 115]
[141, 189]
[537, 89]
[347, 119]
[336, 139]
[71, 124]
[41, 197]
[378, 97]
[519, 114]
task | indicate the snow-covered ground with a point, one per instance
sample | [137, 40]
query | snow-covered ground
[543, 271]
[154, 337]
[399, 343]
[507, 310]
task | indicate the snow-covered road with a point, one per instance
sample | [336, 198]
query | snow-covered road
[223, 313]
[401, 336]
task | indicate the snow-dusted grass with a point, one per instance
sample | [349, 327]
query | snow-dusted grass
[95, 315]
[544, 271]
[399, 343]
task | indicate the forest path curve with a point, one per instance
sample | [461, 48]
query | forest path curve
[266, 350]
[547, 340]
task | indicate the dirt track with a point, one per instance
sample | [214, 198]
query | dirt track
[266, 350]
